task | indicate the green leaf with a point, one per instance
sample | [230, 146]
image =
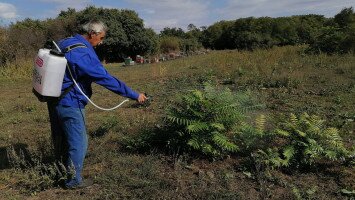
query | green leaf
[293, 119]
[288, 152]
[331, 155]
[260, 122]
[207, 149]
[301, 133]
[348, 192]
[218, 126]
[197, 127]
[194, 144]
[282, 132]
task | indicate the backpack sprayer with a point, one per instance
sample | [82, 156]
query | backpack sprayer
[48, 74]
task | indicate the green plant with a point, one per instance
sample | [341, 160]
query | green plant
[345, 192]
[204, 121]
[305, 139]
[169, 44]
[251, 137]
[32, 172]
[106, 125]
[300, 193]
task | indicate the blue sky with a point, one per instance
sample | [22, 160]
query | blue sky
[158, 14]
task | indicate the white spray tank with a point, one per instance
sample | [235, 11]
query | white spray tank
[48, 72]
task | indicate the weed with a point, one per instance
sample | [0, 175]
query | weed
[301, 142]
[304, 193]
[106, 125]
[203, 120]
[34, 172]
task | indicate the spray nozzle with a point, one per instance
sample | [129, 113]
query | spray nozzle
[148, 96]
[146, 103]
[148, 100]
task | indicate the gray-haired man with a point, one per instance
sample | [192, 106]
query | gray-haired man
[67, 116]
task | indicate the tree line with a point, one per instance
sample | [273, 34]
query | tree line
[328, 35]
[127, 35]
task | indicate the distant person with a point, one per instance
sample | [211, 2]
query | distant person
[67, 116]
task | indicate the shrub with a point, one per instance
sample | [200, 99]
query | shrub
[204, 121]
[330, 40]
[251, 138]
[302, 141]
[169, 44]
[339, 37]
[34, 171]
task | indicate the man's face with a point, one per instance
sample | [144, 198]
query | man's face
[96, 38]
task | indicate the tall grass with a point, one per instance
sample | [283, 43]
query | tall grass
[21, 69]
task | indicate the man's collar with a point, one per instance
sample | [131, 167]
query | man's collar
[82, 39]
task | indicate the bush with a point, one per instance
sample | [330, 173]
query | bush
[302, 141]
[330, 40]
[201, 122]
[338, 36]
[169, 44]
[35, 171]
[204, 121]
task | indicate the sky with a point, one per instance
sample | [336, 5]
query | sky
[158, 14]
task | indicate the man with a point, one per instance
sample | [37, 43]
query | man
[67, 116]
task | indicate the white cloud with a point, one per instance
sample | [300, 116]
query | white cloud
[171, 13]
[62, 5]
[159, 14]
[160, 24]
[79, 4]
[275, 8]
[7, 11]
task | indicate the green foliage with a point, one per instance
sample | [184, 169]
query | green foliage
[346, 18]
[250, 137]
[309, 27]
[172, 32]
[324, 35]
[190, 44]
[33, 171]
[285, 30]
[126, 36]
[338, 37]
[330, 40]
[204, 121]
[214, 36]
[22, 40]
[105, 127]
[169, 44]
[265, 32]
[305, 140]
[4, 57]
[175, 39]
[296, 142]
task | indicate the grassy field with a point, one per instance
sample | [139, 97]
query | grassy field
[284, 79]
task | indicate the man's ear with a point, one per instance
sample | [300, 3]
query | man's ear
[91, 34]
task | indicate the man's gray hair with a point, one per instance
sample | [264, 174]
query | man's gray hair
[95, 26]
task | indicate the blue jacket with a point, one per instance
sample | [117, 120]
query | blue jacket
[87, 68]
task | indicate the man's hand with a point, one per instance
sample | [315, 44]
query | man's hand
[141, 98]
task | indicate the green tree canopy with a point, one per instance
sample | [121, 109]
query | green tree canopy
[126, 36]
[173, 32]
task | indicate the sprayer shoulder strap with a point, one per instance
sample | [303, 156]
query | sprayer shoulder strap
[66, 50]
[74, 46]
